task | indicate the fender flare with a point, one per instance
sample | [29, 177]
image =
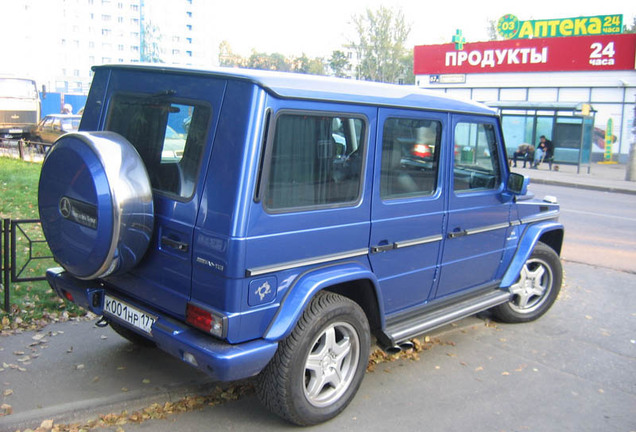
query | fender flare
[529, 239]
[307, 285]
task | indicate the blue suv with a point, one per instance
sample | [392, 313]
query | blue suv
[253, 223]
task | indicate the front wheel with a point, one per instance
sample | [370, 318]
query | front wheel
[318, 368]
[536, 289]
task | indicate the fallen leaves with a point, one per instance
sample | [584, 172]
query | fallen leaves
[153, 412]
[378, 356]
[5, 409]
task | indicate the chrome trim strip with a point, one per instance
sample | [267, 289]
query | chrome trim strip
[299, 263]
[541, 217]
[419, 241]
[438, 320]
[487, 228]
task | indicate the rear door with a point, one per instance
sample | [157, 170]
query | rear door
[408, 206]
[479, 211]
[170, 120]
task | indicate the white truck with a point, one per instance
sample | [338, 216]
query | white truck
[19, 107]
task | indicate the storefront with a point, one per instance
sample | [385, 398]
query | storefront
[527, 73]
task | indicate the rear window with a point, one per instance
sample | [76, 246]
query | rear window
[315, 161]
[169, 136]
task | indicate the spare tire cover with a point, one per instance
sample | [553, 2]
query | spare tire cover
[95, 203]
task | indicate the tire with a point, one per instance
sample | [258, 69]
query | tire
[95, 203]
[318, 368]
[536, 289]
[133, 337]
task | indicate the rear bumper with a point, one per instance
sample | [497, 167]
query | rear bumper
[221, 360]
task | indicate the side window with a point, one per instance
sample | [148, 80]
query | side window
[315, 160]
[476, 157]
[410, 155]
[169, 137]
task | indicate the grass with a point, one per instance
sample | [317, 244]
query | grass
[33, 304]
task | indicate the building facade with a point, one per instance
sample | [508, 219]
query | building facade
[60, 40]
[593, 70]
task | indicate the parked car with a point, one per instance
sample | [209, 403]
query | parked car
[52, 126]
[291, 221]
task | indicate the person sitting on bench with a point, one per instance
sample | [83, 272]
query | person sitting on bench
[544, 151]
[524, 151]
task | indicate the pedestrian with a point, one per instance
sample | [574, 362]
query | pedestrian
[524, 151]
[544, 151]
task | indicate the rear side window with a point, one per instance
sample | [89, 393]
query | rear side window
[315, 161]
[410, 155]
[169, 137]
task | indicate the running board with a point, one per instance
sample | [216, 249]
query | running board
[411, 326]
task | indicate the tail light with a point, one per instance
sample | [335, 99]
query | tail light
[421, 151]
[205, 320]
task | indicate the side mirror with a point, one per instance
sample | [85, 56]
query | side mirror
[518, 184]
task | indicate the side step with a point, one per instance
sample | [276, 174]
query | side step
[410, 326]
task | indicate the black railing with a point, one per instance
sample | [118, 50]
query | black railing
[33, 151]
[22, 247]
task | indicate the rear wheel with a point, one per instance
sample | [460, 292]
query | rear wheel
[318, 368]
[536, 289]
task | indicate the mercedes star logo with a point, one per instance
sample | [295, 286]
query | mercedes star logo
[65, 207]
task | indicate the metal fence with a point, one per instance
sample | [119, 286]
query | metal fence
[22, 149]
[22, 248]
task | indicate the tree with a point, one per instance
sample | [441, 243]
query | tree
[150, 43]
[493, 33]
[304, 64]
[264, 61]
[630, 29]
[339, 63]
[407, 67]
[381, 44]
[228, 58]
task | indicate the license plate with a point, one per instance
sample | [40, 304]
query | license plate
[130, 314]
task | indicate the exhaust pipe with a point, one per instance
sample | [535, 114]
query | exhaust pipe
[392, 350]
[396, 349]
[405, 346]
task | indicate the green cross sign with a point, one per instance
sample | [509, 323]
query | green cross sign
[459, 40]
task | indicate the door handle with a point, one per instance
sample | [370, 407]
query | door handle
[458, 232]
[174, 244]
[382, 248]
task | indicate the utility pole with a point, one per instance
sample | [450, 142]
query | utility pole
[630, 173]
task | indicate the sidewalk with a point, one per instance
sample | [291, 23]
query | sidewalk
[602, 177]
[73, 371]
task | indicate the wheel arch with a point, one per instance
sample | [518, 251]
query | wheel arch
[550, 233]
[351, 280]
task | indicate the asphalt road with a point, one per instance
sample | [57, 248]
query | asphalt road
[572, 370]
[600, 226]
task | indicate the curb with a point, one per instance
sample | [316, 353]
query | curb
[598, 188]
[84, 410]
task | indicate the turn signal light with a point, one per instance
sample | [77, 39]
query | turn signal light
[205, 320]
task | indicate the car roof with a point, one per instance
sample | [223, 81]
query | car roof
[63, 116]
[321, 88]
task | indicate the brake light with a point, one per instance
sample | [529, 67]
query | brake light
[68, 296]
[205, 320]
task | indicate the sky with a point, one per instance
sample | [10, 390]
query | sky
[318, 27]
